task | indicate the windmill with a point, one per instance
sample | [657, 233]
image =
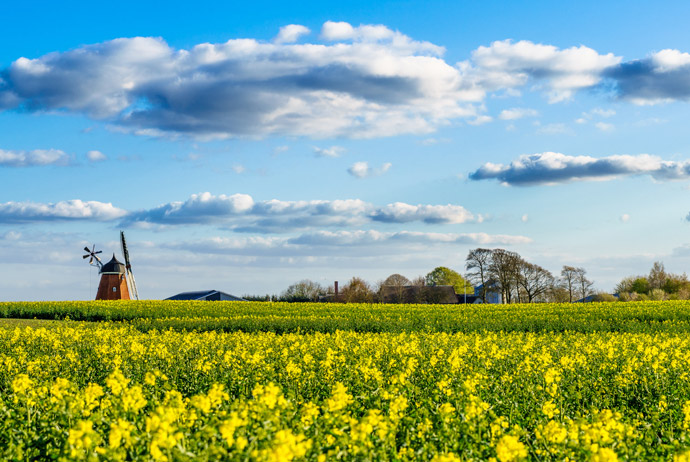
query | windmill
[128, 266]
[117, 280]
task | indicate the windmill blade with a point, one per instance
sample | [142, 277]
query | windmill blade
[128, 266]
[92, 253]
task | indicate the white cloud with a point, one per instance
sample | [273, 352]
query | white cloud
[239, 169]
[554, 129]
[554, 168]
[670, 60]
[96, 156]
[333, 151]
[291, 33]
[605, 113]
[241, 213]
[604, 127]
[358, 243]
[34, 158]
[24, 212]
[363, 170]
[480, 120]
[517, 113]
[525, 218]
[399, 212]
[377, 83]
[505, 64]
[625, 218]
[332, 30]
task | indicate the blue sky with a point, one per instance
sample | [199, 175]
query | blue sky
[243, 147]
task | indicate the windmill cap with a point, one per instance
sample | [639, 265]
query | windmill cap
[113, 266]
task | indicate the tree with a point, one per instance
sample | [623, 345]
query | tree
[394, 285]
[657, 276]
[504, 270]
[534, 280]
[303, 291]
[442, 276]
[569, 278]
[478, 262]
[584, 285]
[357, 290]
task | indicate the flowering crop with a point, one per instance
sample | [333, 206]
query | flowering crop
[669, 316]
[108, 391]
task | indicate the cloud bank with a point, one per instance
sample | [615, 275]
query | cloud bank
[241, 213]
[322, 243]
[24, 212]
[553, 168]
[357, 81]
[34, 158]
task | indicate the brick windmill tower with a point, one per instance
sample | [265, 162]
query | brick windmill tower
[116, 277]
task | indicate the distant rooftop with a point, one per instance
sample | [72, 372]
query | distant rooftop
[208, 295]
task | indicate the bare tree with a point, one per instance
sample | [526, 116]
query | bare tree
[395, 286]
[478, 263]
[504, 270]
[357, 290]
[569, 278]
[584, 285]
[657, 276]
[534, 280]
[303, 291]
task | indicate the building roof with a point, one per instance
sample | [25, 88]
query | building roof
[113, 266]
[210, 295]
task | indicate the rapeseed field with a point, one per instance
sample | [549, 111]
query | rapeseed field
[443, 391]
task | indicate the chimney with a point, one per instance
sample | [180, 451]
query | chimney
[336, 289]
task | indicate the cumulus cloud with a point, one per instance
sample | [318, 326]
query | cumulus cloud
[333, 151]
[377, 82]
[291, 33]
[554, 168]
[241, 213]
[604, 127]
[24, 212]
[517, 113]
[661, 77]
[399, 212]
[34, 158]
[625, 218]
[95, 156]
[363, 170]
[507, 64]
[359, 81]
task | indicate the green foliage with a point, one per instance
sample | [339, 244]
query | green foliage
[442, 276]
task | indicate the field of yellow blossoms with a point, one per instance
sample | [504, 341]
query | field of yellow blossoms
[440, 389]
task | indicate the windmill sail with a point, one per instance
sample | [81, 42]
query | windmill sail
[128, 266]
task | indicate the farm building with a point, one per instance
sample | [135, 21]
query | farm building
[207, 295]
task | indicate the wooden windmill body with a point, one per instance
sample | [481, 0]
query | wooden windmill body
[117, 280]
[113, 285]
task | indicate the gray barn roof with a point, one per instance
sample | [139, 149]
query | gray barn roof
[208, 295]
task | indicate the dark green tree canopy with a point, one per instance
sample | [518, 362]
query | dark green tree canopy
[442, 276]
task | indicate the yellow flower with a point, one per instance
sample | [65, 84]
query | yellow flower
[550, 409]
[117, 382]
[604, 455]
[510, 448]
[339, 399]
[120, 430]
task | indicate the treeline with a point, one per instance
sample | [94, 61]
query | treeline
[519, 281]
[357, 290]
[493, 271]
[657, 285]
